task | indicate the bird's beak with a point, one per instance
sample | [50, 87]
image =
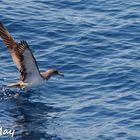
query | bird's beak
[61, 74]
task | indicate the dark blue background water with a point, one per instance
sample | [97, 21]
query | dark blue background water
[96, 44]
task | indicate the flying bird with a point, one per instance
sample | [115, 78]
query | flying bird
[25, 62]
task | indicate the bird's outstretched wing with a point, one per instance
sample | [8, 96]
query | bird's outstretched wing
[21, 55]
[6, 37]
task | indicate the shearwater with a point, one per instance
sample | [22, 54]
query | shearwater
[22, 56]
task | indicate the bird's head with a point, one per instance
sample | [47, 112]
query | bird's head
[51, 72]
[54, 72]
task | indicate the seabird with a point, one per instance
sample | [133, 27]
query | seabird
[26, 64]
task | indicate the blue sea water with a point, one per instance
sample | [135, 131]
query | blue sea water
[95, 43]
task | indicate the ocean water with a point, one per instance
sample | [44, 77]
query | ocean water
[96, 44]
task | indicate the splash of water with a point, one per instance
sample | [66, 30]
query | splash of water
[7, 93]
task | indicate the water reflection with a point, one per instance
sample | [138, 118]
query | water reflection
[32, 118]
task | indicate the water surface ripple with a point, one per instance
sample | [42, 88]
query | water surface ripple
[96, 45]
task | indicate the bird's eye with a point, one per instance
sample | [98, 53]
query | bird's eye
[56, 72]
